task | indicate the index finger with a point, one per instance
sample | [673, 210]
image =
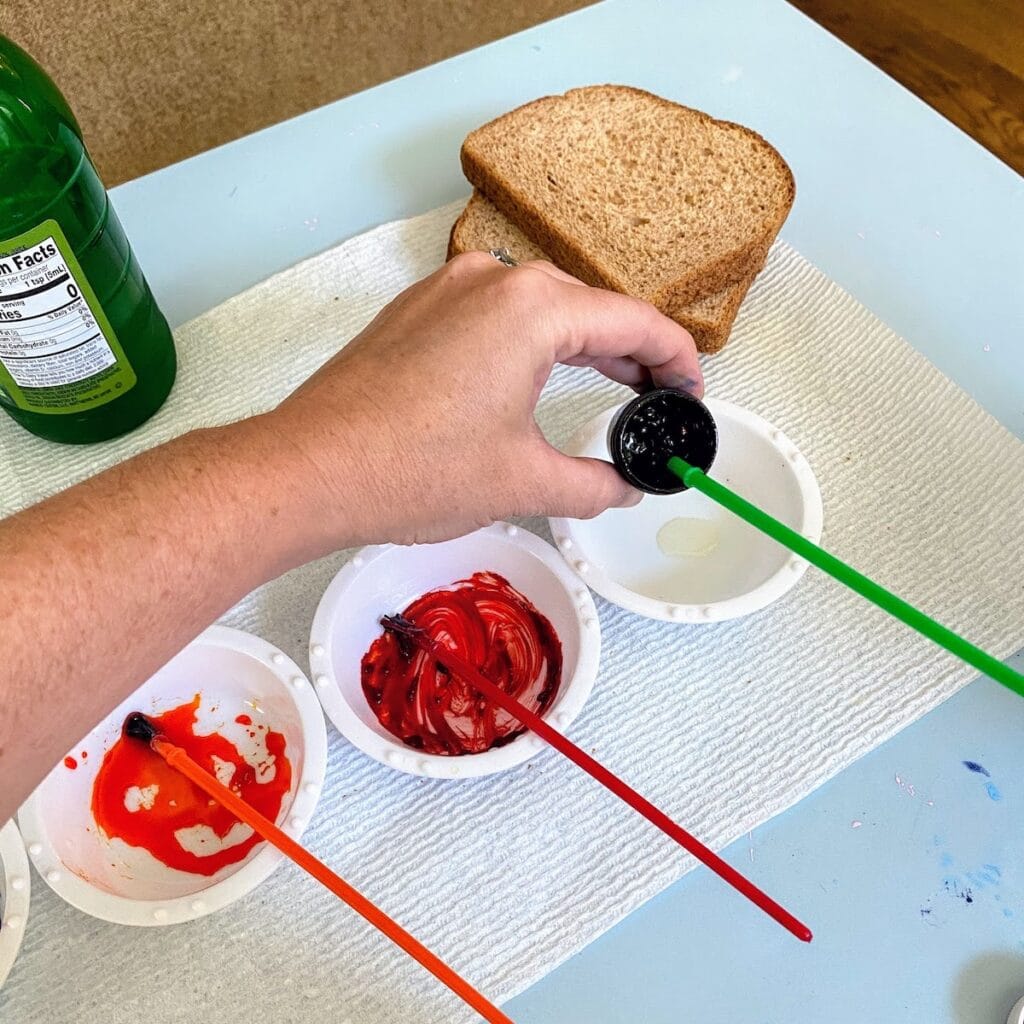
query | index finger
[609, 331]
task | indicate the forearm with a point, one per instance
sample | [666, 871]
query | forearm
[415, 432]
[103, 583]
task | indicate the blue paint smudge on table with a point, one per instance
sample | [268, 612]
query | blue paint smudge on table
[958, 891]
[973, 766]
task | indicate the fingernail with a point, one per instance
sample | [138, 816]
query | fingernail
[682, 382]
[631, 498]
[690, 384]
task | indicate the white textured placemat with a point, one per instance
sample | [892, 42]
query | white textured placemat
[723, 726]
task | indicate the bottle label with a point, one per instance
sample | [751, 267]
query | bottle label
[58, 352]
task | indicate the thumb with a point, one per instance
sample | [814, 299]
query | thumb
[581, 488]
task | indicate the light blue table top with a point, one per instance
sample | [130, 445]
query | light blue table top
[916, 860]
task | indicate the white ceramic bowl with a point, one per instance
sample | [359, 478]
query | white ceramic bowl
[14, 896]
[384, 580]
[619, 556]
[235, 673]
[1017, 1013]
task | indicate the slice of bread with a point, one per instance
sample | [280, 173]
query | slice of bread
[629, 191]
[483, 226]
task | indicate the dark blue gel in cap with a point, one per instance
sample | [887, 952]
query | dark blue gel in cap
[653, 427]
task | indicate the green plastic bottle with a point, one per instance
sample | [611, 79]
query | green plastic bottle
[85, 353]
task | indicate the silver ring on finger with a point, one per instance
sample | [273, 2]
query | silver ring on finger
[504, 257]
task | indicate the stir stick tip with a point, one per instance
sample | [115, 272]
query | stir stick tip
[138, 727]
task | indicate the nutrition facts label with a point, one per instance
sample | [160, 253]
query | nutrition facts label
[53, 339]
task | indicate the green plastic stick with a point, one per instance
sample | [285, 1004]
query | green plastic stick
[857, 582]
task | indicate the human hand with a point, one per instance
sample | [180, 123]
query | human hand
[422, 427]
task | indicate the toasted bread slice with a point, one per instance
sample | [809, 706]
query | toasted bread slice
[483, 226]
[632, 192]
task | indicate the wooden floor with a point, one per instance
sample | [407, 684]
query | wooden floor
[963, 57]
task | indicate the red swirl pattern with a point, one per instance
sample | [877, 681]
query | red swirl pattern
[490, 624]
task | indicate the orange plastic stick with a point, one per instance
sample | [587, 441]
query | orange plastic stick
[458, 665]
[179, 759]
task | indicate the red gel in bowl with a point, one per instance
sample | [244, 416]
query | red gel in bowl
[490, 624]
[139, 798]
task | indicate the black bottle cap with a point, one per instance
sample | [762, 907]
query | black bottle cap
[649, 430]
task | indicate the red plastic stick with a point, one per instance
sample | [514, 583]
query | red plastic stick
[179, 759]
[640, 804]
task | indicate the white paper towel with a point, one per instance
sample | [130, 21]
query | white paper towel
[722, 726]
